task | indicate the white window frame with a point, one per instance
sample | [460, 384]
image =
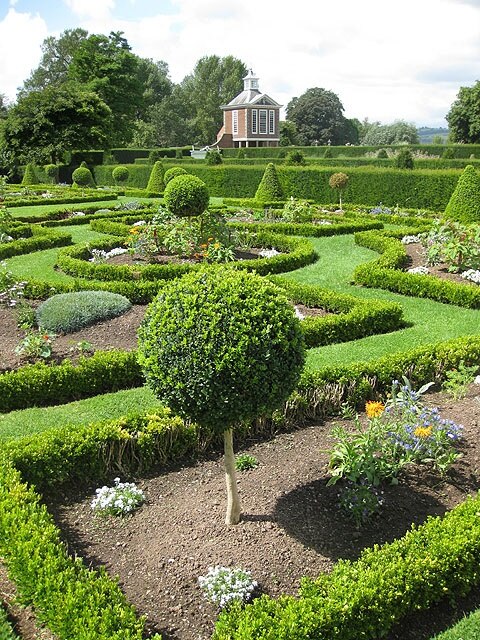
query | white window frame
[254, 120]
[262, 121]
[271, 121]
[235, 122]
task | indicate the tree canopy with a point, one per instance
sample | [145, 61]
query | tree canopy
[44, 124]
[318, 117]
[464, 116]
[399, 132]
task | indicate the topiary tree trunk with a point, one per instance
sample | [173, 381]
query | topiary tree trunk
[234, 510]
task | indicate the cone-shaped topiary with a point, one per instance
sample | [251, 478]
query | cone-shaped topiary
[173, 172]
[221, 348]
[464, 203]
[82, 177]
[269, 187]
[155, 182]
[186, 196]
[30, 176]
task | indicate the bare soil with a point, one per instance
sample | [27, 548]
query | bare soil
[417, 258]
[291, 524]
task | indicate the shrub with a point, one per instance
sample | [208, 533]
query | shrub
[51, 171]
[82, 177]
[154, 156]
[173, 172]
[69, 312]
[120, 174]
[222, 347]
[448, 154]
[155, 181]
[404, 159]
[269, 187]
[186, 196]
[328, 153]
[178, 154]
[241, 154]
[339, 182]
[464, 203]
[295, 157]
[30, 176]
[382, 153]
[213, 157]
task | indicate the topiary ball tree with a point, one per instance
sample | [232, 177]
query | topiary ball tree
[464, 203]
[82, 177]
[173, 172]
[120, 174]
[222, 347]
[186, 196]
[155, 182]
[269, 187]
[339, 182]
[51, 171]
[30, 176]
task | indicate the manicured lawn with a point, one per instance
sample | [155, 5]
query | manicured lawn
[40, 210]
[18, 424]
[430, 321]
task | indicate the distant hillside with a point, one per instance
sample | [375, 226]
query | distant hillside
[426, 134]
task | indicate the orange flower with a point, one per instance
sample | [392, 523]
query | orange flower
[423, 432]
[374, 409]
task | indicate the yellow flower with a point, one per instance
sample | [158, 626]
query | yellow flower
[133, 230]
[216, 245]
[374, 409]
[423, 432]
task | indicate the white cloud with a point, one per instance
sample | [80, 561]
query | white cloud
[91, 10]
[385, 61]
[21, 36]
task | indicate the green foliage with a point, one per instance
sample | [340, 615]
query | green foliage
[464, 115]
[384, 273]
[35, 345]
[366, 598]
[464, 203]
[70, 312]
[328, 152]
[120, 174]
[82, 177]
[243, 370]
[41, 385]
[449, 153]
[295, 157]
[318, 117]
[6, 629]
[51, 171]
[458, 380]
[269, 187]
[173, 172]
[382, 153]
[245, 462]
[213, 157]
[241, 153]
[186, 196]
[154, 156]
[33, 238]
[404, 159]
[155, 181]
[30, 176]
[92, 605]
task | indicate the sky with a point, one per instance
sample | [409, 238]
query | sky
[386, 61]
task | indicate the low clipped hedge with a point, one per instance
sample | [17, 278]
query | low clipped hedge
[358, 599]
[366, 598]
[295, 253]
[384, 273]
[73, 600]
[79, 197]
[41, 385]
[70, 312]
[351, 318]
[309, 229]
[33, 238]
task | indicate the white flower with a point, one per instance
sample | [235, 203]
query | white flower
[121, 499]
[477, 380]
[422, 271]
[471, 274]
[410, 239]
[298, 313]
[268, 253]
[223, 585]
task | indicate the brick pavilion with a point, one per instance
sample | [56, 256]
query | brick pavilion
[251, 119]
